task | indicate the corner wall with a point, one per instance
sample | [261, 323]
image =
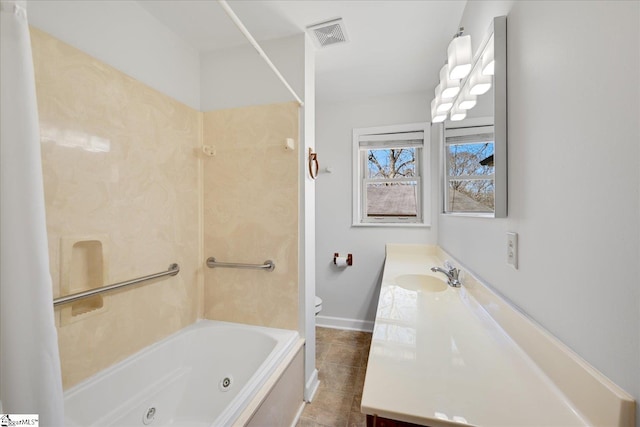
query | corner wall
[350, 295]
[251, 214]
[573, 107]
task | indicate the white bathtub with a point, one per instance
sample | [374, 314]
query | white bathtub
[203, 375]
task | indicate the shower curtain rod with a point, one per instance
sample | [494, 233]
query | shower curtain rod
[225, 6]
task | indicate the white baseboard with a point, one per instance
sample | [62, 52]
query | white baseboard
[342, 323]
[311, 387]
[298, 415]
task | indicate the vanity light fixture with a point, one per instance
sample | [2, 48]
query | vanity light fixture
[467, 101]
[457, 113]
[437, 116]
[450, 87]
[443, 105]
[479, 83]
[488, 60]
[459, 56]
[463, 77]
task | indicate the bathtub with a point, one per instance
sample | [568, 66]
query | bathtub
[204, 375]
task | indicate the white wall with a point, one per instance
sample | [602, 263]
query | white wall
[125, 36]
[238, 76]
[573, 88]
[351, 294]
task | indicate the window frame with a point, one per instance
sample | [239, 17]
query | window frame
[423, 168]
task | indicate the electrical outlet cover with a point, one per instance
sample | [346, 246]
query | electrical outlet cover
[512, 249]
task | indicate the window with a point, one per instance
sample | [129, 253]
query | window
[389, 175]
[469, 171]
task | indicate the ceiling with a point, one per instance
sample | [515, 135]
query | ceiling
[395, 46]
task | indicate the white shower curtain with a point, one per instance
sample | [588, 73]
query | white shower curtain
[30, 381]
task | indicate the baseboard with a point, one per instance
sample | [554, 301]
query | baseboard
[311, 387]
[298, 415]
[342, 323]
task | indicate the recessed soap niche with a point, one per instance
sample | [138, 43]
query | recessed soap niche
[83, 266]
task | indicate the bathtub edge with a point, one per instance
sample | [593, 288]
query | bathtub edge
[252, 408]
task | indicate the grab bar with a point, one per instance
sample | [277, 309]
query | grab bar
[172, 271]
[267, 266]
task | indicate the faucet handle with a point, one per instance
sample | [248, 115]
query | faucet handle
[448, 265]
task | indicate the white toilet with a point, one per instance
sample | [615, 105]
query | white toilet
[318, 305]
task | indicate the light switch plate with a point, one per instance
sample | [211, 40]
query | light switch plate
[512, 249]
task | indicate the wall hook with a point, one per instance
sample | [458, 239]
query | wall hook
[314, 166]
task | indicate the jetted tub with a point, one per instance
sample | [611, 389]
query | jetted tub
[204, 375]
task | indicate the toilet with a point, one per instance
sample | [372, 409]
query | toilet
[318, 305]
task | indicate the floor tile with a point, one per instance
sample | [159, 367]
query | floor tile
[352, 337]
[330, 408]
[337, 377]
[307, 422]
[341, 358]
[344, 354]
[357, 419]
[321, 351]
[359, 382]
[365, 355]
[356, 402]
[325, 334]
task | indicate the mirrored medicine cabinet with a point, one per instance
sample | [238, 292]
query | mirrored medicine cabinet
[474, 149]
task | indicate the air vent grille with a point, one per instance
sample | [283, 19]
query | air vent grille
[328, 33]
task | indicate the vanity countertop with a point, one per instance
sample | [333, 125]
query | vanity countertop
[439, 358]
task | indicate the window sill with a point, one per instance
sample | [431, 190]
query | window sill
[391, 224]
[470, 214]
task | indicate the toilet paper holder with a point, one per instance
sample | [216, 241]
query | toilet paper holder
[349, 258]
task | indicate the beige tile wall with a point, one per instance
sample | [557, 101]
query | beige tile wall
[251, 214]
[119, 159]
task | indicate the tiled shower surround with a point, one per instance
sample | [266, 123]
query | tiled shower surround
[125, 176]
[251, 214]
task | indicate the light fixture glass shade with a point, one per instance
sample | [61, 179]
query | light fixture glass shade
[459, 57]
[488, 60]
[443, 105]
[450, 88]
[457, 113]
[479, 83]
[437, 116]
[466, 100]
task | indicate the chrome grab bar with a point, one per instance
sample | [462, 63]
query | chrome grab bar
[172, 271]
[267, 266]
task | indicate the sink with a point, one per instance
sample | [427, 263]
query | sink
[421, 282]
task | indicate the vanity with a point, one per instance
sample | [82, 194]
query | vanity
[445, 356]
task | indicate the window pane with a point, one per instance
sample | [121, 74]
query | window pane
[470, 159]
[391, 163]
[470, 195]
[392, 199]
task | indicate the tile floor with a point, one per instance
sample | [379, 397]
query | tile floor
[341, 360]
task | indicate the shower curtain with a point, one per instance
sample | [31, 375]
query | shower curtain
[30, 380]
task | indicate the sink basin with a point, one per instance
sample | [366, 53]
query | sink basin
[421, 282]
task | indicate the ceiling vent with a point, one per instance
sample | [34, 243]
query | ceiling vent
[328, 33]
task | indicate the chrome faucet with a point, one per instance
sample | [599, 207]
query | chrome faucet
[451, 272]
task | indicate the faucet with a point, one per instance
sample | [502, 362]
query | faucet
[451, 272]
